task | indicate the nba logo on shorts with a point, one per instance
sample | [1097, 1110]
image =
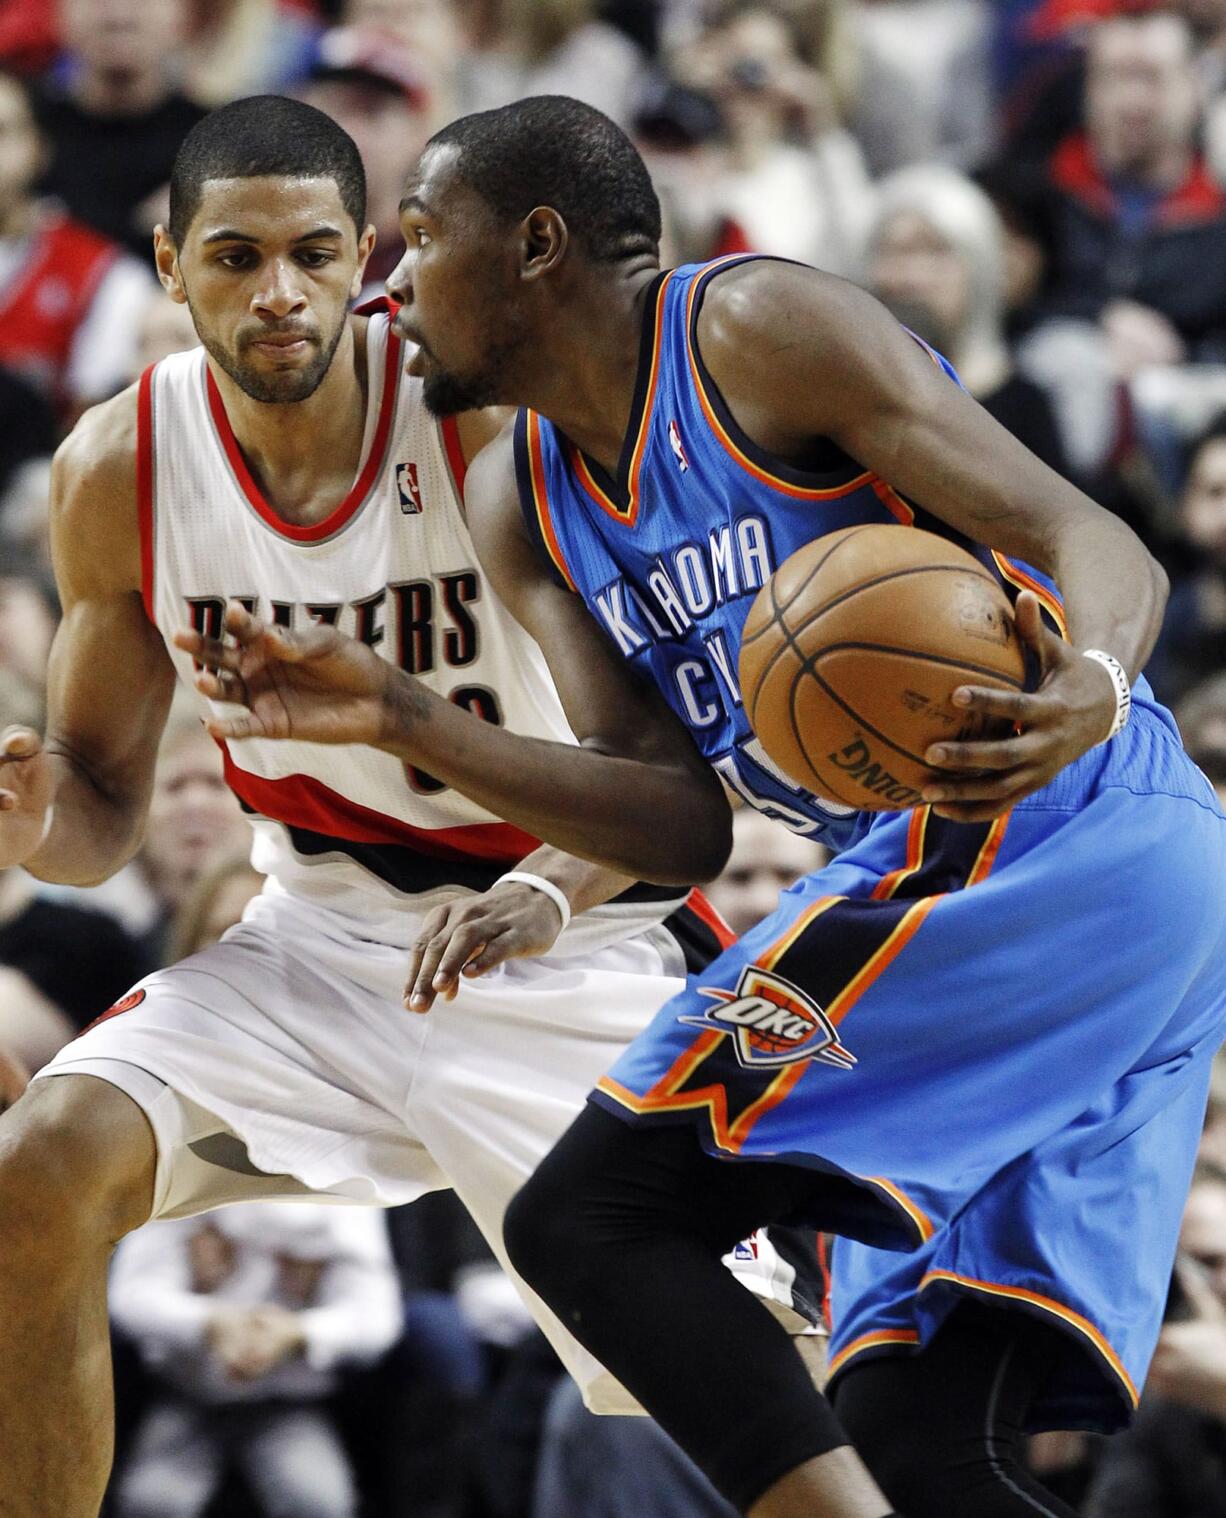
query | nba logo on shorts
[410, 493]
[772, 1023]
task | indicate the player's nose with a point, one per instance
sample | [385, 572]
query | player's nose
[280, 293]
[399, 284]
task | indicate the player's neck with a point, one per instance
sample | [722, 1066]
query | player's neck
[304, 456]
[588, 386]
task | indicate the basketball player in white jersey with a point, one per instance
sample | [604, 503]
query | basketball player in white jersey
[292, 464]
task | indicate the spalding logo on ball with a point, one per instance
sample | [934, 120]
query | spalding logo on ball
[852, 650]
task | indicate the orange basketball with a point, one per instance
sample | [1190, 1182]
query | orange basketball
[851, 653]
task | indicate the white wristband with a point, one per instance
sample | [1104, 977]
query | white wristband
[1123, 690]
[538, 883]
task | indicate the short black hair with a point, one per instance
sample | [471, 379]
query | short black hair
[550, 150]
[265, 135]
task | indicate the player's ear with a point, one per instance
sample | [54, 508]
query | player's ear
[166, 261]
[545, 239]
[366, 246]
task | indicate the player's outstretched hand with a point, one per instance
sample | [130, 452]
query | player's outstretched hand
[316, 685]
[1072, 710]
[25, 794]
[472, 935]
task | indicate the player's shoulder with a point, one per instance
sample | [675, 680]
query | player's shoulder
[490, 486]
[99, 454]
[94, 488]
[766, 301]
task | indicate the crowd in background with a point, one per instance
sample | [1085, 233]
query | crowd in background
[1036, 187]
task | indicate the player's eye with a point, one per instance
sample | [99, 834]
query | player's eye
[315, 258]
[237, 258]
[421, 236]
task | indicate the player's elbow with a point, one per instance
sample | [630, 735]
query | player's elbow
[697, 841]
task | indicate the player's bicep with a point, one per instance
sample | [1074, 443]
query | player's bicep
[109, 678]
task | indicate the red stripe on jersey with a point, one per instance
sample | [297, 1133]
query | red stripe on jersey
[144, 488]
[705, 912]
[301, 802]
[336, 519]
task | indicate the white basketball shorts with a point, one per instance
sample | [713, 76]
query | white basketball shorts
[281, 1063]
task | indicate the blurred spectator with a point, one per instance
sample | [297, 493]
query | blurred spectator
[1192, 644]
[1212, 1154]
[68, 296]
[32, 1027]
[615, 1468]
[425, 30]
[795, 179]
[116, 116]
[214, 904]
[29, 614]
[681, 135]
[244, 47]
[1136, 229]
[924, 82]
[1172, 1462]
[936, 258]
[163, 326]
[765, 860]
[1139, 225]
[1202, 721]
[28, 35]
[245, 1318]
[194, 820]
[27, 432]
[515, 48]
[374, 91]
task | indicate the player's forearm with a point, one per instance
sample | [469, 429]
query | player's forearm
[91, 834]
[583, 883]
[1114, 591]
[651, 820]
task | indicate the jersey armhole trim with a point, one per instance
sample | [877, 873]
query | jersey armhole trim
[145, 484]
[800, 484]
[534, 497]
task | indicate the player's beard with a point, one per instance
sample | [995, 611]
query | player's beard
[278, 388]
[447, 393]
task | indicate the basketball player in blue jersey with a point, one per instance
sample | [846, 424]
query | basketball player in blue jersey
[994, 1013]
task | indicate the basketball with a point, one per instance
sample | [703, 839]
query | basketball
[852, 651]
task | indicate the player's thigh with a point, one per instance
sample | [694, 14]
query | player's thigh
[294, 1460]
[76, 1152]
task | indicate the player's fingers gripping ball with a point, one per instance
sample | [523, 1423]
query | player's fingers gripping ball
[853, 649]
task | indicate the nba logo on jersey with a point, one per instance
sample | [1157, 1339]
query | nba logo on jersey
[410, 492]
[747, 1249]
[772, 1022]
[678, 447]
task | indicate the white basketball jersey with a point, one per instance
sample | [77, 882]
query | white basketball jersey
[393, 566]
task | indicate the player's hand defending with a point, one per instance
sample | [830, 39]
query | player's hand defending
[26, 786]
[1072, 710]
[470, 936]
[316, 685]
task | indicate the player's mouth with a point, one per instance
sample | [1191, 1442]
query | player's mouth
[288, 346]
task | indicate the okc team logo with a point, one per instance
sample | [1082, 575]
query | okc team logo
[410, 491]
[772, 1022]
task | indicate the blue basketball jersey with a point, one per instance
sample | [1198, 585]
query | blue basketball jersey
[670, 555]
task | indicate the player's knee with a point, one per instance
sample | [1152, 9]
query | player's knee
[539, 1232]
[77, 1160]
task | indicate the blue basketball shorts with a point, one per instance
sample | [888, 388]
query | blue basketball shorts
[997, 1036]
